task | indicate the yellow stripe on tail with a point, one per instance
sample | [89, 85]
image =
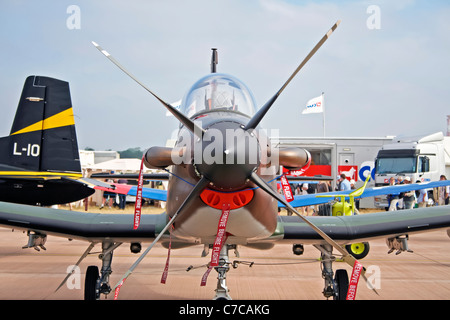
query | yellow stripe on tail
[62, 119]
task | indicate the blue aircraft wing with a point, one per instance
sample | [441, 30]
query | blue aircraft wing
[150, 193]
[312, 199]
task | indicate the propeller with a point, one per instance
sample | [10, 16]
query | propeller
[230, 176]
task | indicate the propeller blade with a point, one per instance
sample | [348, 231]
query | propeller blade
[346, 257]
[188, 123]
[198, 188]
[267, 188]
[84, 255]
[256, 119]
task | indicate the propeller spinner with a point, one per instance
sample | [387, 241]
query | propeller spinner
[230, 155]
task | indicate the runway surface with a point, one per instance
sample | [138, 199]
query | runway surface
[277, 274]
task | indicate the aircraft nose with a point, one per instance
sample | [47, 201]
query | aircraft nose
[227, 155]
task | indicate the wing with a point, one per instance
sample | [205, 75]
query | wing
[95, 227]
[351, 229]
[80, 225]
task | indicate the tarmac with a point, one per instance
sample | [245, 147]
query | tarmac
[276, 274]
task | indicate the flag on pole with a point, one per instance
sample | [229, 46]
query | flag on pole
[314, 105]
[176, 105]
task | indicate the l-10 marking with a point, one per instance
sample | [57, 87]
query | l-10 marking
[32, 150]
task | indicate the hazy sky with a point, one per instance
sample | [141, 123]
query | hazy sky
[383, 72]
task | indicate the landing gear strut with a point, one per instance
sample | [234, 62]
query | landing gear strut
[95, 283]
[336, 286]
[222, 269]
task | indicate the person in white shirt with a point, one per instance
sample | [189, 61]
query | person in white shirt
[422, 197]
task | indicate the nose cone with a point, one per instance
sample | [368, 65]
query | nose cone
[228, 155]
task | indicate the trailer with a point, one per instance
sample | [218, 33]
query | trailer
[331, 156]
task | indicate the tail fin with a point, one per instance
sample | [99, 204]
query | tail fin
[43, 136]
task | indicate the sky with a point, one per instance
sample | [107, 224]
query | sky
[385, 71]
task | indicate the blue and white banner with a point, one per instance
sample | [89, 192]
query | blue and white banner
[314, 105]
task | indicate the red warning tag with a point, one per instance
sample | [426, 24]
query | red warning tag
[116, 292]
[221, 237]
[287, 190]
[205, 276]
[138, 204]
[166, 268]
[353, 283]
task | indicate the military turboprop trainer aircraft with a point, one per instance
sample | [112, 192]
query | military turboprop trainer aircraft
[221, 194]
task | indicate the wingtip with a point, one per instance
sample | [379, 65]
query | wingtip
[94, 43]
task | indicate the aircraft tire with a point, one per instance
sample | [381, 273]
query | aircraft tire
[358, 250]
[90, 283]
[341, 284]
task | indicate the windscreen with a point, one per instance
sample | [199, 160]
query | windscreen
[218, 92]
[396, 165]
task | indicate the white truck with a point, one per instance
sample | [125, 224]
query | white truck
[421, 159]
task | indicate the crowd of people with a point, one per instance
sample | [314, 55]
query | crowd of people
[343, 184]
[423, 198]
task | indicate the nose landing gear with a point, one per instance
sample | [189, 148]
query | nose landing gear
[222, 269]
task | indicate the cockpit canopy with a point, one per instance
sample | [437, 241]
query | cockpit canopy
[218, 92]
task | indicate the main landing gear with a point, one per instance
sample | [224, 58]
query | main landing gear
[336, 285]
[97, 283]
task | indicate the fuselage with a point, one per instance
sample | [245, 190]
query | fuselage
[226, 155]
[253, 212]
